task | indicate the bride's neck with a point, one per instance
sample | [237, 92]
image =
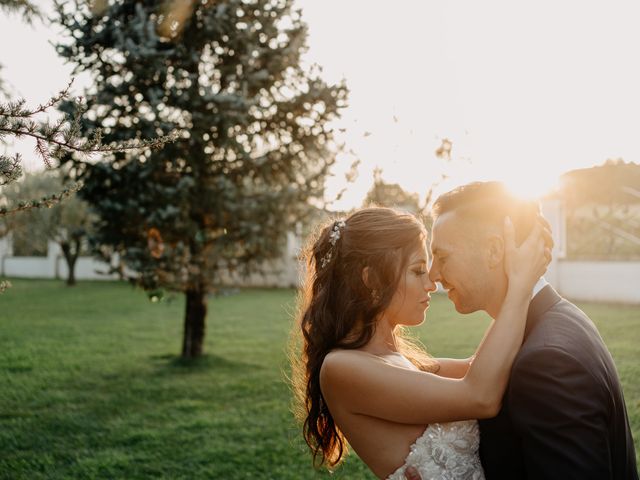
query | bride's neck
[383, 340]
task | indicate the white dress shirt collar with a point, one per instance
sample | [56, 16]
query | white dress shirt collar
[540, 284]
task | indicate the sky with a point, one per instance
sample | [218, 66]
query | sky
[525, 91]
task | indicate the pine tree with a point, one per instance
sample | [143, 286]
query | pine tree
[255, 137]
[53, 139]
[27, 8]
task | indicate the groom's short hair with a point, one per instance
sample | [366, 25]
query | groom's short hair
[487, 204]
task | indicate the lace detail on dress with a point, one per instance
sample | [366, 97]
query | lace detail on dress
[445, 451]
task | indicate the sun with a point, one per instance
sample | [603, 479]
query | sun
[530, 185]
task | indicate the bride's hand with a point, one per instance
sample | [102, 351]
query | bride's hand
[525, 264]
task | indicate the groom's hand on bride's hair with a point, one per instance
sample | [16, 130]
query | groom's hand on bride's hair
[410, 473]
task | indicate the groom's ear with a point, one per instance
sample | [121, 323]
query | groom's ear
[495, 250]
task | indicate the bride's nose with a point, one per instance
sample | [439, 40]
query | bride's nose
[429, 285]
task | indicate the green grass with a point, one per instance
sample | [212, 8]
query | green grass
[92, 386]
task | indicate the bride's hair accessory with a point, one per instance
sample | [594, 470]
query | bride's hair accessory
[334, 236]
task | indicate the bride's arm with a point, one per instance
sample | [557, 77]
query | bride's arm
[453, 367]
[366, 386]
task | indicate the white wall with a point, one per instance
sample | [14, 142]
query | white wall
[52, 266]
[282, 272]
[87, 268]
[599, 281]
[28, 267]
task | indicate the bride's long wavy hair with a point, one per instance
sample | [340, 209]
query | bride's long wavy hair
[337, 310]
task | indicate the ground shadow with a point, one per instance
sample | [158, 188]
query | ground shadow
[170, 364]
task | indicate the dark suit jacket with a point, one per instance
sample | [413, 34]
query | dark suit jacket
[563, 415]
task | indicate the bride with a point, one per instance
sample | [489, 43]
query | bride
[357, 379]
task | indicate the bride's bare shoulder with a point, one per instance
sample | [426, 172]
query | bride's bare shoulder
[340, 365]
[338, 358]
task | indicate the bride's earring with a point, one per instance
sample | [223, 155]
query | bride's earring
[375, 296]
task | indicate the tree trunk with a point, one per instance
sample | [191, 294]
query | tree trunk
[71, 257]
[194, 323]
[71, 278]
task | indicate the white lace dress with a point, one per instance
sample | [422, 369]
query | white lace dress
[445, 451]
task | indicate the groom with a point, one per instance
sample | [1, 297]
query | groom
[563, 415]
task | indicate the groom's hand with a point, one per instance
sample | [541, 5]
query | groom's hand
[411, 473]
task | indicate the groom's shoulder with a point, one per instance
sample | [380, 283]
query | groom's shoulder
[563, 330]
[565, 342]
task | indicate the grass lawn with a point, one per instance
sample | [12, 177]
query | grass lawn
[92, 386]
